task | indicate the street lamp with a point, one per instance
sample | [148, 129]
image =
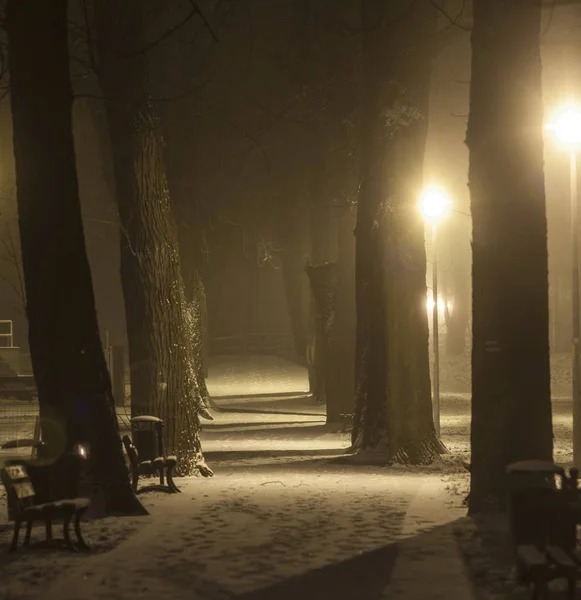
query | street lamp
[434, 204]
[567, 129]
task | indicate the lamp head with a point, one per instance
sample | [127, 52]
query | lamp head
[566, 126]
[434, 203]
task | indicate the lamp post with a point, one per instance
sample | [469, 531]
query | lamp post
[567, 130]
[434, 204]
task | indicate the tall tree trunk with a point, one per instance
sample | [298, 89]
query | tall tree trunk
[323, 280]
[393, 410]
[189, 234]
[342, 376]
[163, 377]
[74, 388]
[511, 406]
[370, 420]
[294, 259]
[173, 72]
[322, 251]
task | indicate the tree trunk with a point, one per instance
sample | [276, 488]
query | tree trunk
[341, 389]
[393, 406]
[321, 252]
[511, 406]
[177, 117]
[370, 419]
[323, 286]
[195, 291]
[74, 388]
[294, 258]
[159, 330]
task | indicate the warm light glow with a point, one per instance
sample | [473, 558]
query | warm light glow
[80, 451]
[566, 126]
[441, 304]
[434, 203]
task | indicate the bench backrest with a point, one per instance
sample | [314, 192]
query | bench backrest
[146, 442]
[19, 489]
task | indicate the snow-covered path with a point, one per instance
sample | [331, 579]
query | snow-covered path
[429, 566]
[255, 375]
[280, 520]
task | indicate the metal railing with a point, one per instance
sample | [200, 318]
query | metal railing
[6, 335]
[18, 419]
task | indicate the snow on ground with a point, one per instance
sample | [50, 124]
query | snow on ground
[283, 518]
[456, 373]
[253, 375]
[279, 511]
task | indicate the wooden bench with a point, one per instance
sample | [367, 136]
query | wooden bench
[538, 567]
[21, 498]
[163, 465]
[533, 568]
[544, 519]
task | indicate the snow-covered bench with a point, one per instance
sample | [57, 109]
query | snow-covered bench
[544, 519]
[21, 500]
[162, 465]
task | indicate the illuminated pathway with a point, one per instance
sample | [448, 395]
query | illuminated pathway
[285, 518]
[280, 520]
[255, 375]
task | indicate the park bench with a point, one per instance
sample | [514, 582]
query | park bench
[24, 508]
[544, 519]
[146, 455]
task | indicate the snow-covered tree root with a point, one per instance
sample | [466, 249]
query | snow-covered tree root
[425, 452]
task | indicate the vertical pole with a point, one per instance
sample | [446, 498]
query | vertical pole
[575, 315]
[554, 287]
[436, 336]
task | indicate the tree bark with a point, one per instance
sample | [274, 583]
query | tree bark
[160, 332]
[294, 258]
[173, 72]
[393, 406]
[74, 388]
[191, 268]
[321, 252]
[341, 389]
[511, 406]
[370, 419]
[323, 282]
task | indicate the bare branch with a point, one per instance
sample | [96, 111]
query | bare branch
[11, 256]
[453, 21]
[194, 4]
[167, 33]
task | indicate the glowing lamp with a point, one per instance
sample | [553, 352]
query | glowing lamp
[434, 203]
[567, 127]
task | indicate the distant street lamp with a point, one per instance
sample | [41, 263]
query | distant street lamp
[434, 204]
[567, 130]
